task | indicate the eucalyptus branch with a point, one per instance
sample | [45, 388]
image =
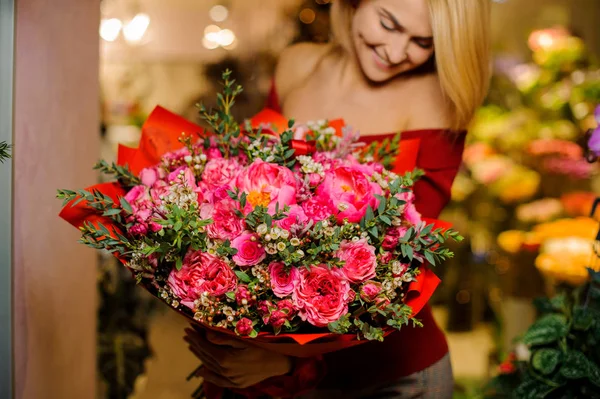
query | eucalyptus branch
[122, 173]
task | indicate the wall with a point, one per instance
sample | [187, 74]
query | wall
[56, 113]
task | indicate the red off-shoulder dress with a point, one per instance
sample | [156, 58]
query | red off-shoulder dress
[439, 154]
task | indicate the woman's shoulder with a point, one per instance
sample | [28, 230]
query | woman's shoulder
[296, 63]
[429, 108]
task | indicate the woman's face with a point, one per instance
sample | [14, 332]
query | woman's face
[391, 37]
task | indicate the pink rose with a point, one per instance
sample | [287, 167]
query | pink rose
[317, 209]
[386, 257]
[287, 307]
[314, 179]
[213, 153]
[250, 251]
[201, 272]
[174, 157]
[138, 229]
[159, 191]
[244, 326]
[226, 224]
[370, 290]
[276, 315]
[184, 176]
[149, 176]
[349, 192]
[295, 216]
[321, 295]
[243, 296]
[359, 260]
[392, 237]
[282, 279]
[264, 310]
[139, 198]
[267, 184]
[410, 214]
[219, 172]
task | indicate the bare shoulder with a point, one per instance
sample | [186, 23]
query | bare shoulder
[296, 63]
[429, 107]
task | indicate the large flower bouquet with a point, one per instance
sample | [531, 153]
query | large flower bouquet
[301, 239]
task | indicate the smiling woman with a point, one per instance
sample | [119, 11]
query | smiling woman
[390, 37]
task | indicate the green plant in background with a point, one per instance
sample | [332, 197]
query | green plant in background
[562, 359]
[4, 151]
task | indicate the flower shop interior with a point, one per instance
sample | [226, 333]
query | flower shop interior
[523, 199]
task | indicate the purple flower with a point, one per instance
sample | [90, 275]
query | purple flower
[594, 141]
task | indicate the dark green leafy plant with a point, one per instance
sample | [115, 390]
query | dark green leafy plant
[564, 345]
[4, 151]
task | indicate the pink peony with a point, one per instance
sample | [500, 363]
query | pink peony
[244, 326]
[250, 251]
[370, 290]
[294, 216]
[226, 224]
[217, 173]
[349, 192]
[267, 184]
[317, 209]
[201, 272]
[282, 279]
[321, 295]
[359, 260]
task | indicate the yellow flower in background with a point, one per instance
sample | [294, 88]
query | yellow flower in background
[567, 259]
[581, 227]
[519, 185]
[511, 241]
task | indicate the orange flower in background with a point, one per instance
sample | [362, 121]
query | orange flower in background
[563, 148]
[579, 203]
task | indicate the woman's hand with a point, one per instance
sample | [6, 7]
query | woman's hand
[231, 363]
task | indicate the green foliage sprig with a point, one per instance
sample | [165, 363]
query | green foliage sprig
[4, 151]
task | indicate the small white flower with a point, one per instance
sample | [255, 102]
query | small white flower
[268, 237]
[202, 157]
[275, 233]
[300, 253]
[342, 206]
[262, 229]
[281, 246]
[188, 159]
[271, 250]
[295, 241]
[285, 234]
[355, 239]
[325, 223]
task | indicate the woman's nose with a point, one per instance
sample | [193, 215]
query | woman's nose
[396, 52]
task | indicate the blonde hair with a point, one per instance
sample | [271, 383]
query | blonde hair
[461, 37]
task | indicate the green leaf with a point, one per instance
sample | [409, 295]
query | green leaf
[178, 263]
[430, 258]
[178, 225]
[549, 328]
[125, 205]
[575, 366]
[382, 204]
[582, 318]
[111, 212]
[369, 215]
[545, 360]
[243, 276]
[253, 334]
[385, 220]
[532, 389]
[230, 295]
